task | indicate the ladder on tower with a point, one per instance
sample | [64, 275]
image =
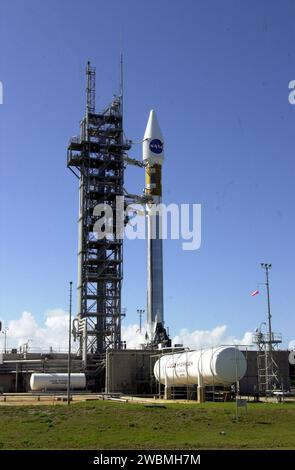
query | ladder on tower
[267, 367]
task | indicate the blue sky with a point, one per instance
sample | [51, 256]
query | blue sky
[217, 74]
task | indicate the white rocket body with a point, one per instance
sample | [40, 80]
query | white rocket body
[153, 156]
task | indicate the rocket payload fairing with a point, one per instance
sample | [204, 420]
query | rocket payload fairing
[153, 156]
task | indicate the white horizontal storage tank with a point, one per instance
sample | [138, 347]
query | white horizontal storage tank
[212, 366]
[39, 382]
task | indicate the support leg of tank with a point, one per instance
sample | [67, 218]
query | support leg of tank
[201, 394]
[167, 393]
[201, 389]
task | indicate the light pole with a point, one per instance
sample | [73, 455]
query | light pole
[267, 267]
[69, 351]
[140, 312]
[269, 339]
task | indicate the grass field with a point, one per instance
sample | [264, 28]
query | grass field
[108, 425]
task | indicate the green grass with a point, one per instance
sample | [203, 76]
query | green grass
[108, 425]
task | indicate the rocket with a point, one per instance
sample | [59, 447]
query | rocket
[153, 156]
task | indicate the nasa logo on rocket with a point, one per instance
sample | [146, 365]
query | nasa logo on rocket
[156, 146]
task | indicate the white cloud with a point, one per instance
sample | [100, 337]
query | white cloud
[132, 336]
[22, 328]
[292, 344]
[54, 333]
[208, 338]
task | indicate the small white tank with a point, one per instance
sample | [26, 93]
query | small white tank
[45, 382]
[214, 366]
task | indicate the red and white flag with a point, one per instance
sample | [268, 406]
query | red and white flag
[255, 292]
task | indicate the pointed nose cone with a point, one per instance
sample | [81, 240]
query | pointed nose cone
[153, 142]
[153, 130]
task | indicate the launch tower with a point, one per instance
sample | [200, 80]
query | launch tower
[96, 158]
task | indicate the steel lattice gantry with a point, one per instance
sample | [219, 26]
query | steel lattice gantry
[98, 154]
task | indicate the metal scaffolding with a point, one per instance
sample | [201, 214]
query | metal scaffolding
[97, 154]
[267, 343]
[267, 367]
